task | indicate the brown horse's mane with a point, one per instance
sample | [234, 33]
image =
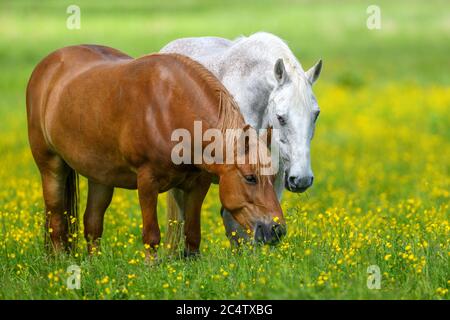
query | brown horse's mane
[230, 116]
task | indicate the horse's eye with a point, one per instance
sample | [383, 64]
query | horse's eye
[316, 115]
[250, 179]
[281, 120]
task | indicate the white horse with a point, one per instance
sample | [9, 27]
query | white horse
[272, 90]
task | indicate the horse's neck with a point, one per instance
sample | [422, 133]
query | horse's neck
[252, 90]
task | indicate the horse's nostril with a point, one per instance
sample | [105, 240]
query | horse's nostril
[278, 231]
[293, 182]
[269, 233]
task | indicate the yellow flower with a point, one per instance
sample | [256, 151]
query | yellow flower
[387, 257]
[104, 280]
[441, 291]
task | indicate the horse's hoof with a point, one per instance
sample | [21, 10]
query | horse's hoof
[191, 254]
[152, 259]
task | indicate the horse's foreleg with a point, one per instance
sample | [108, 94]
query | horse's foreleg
[193, 199]
[99, 198]
[148, 199]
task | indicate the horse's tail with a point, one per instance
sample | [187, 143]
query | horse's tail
[71, 195]
[175, 219]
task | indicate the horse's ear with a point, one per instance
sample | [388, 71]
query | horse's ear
[280, 71]
[314, 73]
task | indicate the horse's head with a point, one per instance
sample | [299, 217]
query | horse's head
[293, 110]
[247, 193]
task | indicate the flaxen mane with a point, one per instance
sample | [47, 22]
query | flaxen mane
[230, 116]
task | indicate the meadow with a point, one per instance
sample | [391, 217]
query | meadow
[380, 156]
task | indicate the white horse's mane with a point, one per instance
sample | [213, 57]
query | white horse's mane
[270, 45]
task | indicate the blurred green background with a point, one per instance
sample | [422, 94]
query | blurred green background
[380, 153]
[412, 45]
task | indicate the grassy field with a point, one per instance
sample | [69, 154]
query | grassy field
[380, 155]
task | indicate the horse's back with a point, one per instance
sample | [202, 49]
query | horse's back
[206, 50]
[63, 64]
[89, 103]
[49, 79]
[197, 47]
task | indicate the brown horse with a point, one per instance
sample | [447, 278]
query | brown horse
[95, 111]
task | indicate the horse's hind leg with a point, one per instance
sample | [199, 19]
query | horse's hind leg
[99, 198]
[54, 175]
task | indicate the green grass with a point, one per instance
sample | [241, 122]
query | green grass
[380, 156]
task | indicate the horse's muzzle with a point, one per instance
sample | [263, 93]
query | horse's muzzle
[269, 233]
[298, 184]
